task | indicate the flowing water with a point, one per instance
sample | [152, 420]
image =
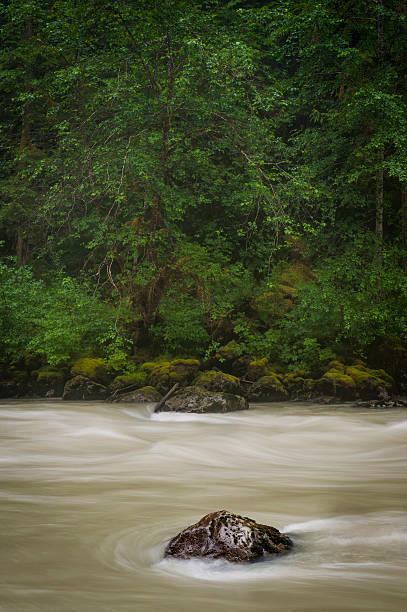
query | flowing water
[90, 493]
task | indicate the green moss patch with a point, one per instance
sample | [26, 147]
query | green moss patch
[214, 380]
[92, 368]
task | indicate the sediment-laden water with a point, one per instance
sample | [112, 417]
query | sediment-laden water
[90, 493]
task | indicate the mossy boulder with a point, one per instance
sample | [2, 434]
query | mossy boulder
[370, 383]
[136, 380]
[338, 384]
[299, 385]
[257, 369]
[223, 535]
[355, 381]
[92, 368]
[142, 395]
[214, 380]
[199, 400]
[228, 352]
[48, 381]
[81, 388]
[269, 389]
[163, 375]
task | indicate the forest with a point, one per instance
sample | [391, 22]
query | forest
[203, 179]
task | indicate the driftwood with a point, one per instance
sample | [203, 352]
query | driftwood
[166, 396]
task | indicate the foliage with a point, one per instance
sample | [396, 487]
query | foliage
[194, 174]
[55, 321]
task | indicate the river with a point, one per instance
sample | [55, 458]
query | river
[91, 492]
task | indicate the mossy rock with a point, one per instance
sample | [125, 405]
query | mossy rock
[142, 395]
[214, 380]
[268, 389]
[81, 388]
[92, 368]
[338, 384]
[257, 369]
[355, 381]
[336, 365]
[298, 385]
[228, 352]
[370, 384]
[163, 375]
[136, 380]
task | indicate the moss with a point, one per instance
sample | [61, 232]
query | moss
[388, 380]
[163, 375]
[369, 382]
[229, 351]
[126, 380]
[336, 365]
[268, 388]
[214, 380]
[339, 379]
[92, 368]
[148, 366]
[48, 375]
[257, 369]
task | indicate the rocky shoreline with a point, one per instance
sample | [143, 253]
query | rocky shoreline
[201, 386]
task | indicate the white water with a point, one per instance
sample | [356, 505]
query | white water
[90, 493]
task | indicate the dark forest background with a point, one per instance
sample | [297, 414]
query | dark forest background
[178, 177]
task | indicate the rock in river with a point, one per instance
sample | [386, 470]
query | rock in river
[223, 535]
[196, 399]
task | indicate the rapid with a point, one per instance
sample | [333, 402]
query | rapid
[91, 492]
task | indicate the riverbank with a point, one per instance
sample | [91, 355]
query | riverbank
[90, 378]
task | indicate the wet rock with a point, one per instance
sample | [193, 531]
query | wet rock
[197, 399]
[223, 535]
[143, 395]
[382, 403]
[81, 388]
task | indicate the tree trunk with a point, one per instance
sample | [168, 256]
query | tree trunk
[379, 199]
[404, 225]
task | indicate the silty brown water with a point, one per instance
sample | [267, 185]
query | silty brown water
[90, 494]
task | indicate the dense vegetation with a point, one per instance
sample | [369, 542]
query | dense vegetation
[177, 176]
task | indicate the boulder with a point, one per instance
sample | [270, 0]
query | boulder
[223, 535]
[268, 389]
[143, 395]
[197, 399]
[214, 380]
[81, 388]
